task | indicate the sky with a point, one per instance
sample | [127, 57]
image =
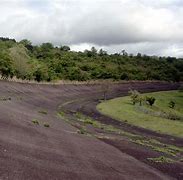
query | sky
[152, 27]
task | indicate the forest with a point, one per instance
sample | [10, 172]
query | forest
[46, 62]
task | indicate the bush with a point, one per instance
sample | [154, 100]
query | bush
[134, 95]
[171, 104]
[46, 125]
[150, 100]
[35, 121]
[43, 112]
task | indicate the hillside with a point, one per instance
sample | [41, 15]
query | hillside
[46, 63]
[37, 143]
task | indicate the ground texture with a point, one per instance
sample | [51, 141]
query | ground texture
[32, 151]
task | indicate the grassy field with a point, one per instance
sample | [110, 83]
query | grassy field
[158, 118]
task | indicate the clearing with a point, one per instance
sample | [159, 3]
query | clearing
[159, 117]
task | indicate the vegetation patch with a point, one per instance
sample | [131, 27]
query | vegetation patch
[161, 159]
[62, 113]
[43, 112]
[82, 131]
[46, 62]
[159, 116]
[35, 121]
[5, 98]
[155, 145]
[46, 125]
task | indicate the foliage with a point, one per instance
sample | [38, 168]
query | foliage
[5, 98]
[150, 100]
[121, 109]
[46, 63]
[6, 65]
[65, 48]
[20, 61]
[161, 159]
[172, 104]
[82, 131]
[43, 111]
[35, 121]
[46, 125]
[134, 95]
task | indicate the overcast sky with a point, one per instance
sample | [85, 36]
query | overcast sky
[153, 27]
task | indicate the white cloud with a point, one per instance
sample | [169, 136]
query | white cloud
[134, 24]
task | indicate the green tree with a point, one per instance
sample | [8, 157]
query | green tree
[65, 48]
[134, 95]
[102, 52]
[6, 65]
[46, 46]
[94, 51]
[150, 100]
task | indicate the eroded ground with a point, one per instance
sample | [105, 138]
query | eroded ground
[55, 132]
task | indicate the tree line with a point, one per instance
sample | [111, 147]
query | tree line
[46, 62]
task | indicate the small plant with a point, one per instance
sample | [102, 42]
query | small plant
[46, 125]
[150, 100]
[161, 159]
[141, 99]
[19, 98]
[78, 115]
[171, 104]
[134, 95]
[88, 121]
[62, 113]
[81, 131]
[35, 121]
[5, 99]
[43, 112]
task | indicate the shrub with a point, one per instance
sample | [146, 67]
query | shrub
[171, 104]
[35, 121]
[46, 125]
[81, 131]
[141, 99]
[161, 159]
[134, 95]
[150, 100]
[88, 121]
[43, 112]
[5, 99]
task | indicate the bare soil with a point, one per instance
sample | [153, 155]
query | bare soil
[31, 151]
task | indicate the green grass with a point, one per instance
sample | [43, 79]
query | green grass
[154, 118]
[46, 125]
[82, 131]
[43, 112]
[86, 122]
[35, 121]
[5, 98]
[161, 159]
[155, 145]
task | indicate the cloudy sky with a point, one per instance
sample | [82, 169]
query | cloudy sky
[153, 27]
